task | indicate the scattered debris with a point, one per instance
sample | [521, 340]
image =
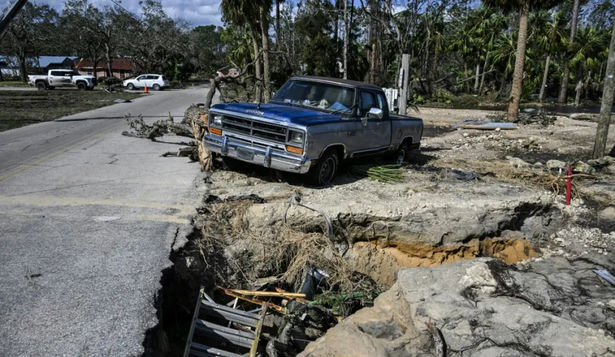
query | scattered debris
[604, 274]
[491, 126]
[219, 330]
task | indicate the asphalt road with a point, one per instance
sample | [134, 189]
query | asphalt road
[87, 221]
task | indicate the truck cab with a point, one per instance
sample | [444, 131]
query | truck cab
[310, 126]
[56, 78]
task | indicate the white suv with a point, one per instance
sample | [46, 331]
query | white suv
[153, 81]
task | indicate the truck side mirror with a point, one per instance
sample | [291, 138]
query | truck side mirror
[375, 113]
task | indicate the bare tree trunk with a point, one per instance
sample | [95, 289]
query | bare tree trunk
[513, 108]
[545, 76]
[265, 43]
[602, 132]
[277, 24]
[22, 68]
[465, 68]
[482, 77]
[578, 89]
[108, 57]
[346, 38]
[563, 92]
[258, 91]
[587, 84]
[476, 79]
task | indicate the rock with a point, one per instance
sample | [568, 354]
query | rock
[553, 307]
[556, 164]
[607, 213]
[584, 168]
[538, 164]
[518, 163]
[601, 162]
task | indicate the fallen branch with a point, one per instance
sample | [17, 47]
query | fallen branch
[156, 130]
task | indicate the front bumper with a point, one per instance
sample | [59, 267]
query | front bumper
[259, 155]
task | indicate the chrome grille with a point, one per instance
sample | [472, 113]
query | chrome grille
[255, 128]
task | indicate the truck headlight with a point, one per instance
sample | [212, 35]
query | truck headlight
[296, 138]
[217, 120]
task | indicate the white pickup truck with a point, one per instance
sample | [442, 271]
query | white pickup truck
[62, 78]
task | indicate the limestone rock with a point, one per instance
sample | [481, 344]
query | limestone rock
[518, 163]
[584, 168]
[607, 213]
[556, 164]
[483, 307]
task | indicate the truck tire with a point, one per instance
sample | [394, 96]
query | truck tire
[156, 87]
[401, 155]
[131, 86]
[325, 169]
[41, 85]
[81, 86]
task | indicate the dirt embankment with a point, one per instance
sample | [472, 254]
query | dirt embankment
[467, 194]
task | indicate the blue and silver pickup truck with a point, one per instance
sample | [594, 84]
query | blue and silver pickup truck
[310, 126]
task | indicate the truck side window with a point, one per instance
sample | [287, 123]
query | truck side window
[382, 103]
[367, 102]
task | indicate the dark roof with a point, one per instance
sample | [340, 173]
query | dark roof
[118, 63]
[338, 81]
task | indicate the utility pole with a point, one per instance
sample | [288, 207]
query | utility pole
[602, 132]
[403, 79]
[4, 23]
[346, 38]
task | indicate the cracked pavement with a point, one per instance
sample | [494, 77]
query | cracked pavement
[87, 221]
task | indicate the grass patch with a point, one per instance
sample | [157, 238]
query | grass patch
[13, 84]
[21, 108]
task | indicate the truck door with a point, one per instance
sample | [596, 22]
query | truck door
[57, 79]
[376, 134]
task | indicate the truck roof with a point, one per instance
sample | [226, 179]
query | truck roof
[338, 81]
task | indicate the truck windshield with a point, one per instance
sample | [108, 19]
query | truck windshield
[317, 95]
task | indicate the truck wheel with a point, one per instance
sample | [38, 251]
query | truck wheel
[41, 85]
[81, 86]
[131, 86]
[156, 87]
[324, 171]
[401, 155]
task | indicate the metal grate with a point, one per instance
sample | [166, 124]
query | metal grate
[214, 330]
[255, 128]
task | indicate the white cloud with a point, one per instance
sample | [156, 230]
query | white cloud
[197, 12]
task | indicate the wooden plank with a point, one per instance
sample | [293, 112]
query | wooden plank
[257, 333]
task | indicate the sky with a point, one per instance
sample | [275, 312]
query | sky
[197, 12]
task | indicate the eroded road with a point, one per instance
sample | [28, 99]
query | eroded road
[87, 221]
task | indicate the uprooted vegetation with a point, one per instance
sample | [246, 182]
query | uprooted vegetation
[464, 197]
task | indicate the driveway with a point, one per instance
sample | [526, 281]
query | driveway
[87, 221]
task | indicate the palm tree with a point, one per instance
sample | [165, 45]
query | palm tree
[588, 52]
[548, 37]
[489, 30]
[563, 91]
[524, 9]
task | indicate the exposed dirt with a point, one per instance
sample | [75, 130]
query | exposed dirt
[467, 194]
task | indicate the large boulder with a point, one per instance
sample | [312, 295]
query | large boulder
[483, 307]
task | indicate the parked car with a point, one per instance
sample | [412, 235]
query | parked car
[62, 78]
[310, 126]
[153, 81]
